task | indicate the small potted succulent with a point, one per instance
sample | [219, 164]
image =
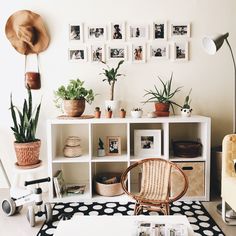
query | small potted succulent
[137, 112]
[186, 110]
[101, 150]
[163, 97]
[73, 97]
[97, 112]
[122, 113]
[108, 112]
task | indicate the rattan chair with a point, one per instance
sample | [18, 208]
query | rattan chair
[155, 189]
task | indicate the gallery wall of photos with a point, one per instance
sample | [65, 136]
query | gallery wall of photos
[137, 43]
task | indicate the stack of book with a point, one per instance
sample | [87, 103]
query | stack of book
[62, 189]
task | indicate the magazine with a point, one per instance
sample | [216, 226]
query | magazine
[62, 189]
[154, 229]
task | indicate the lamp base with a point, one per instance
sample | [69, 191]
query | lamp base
[230, 214]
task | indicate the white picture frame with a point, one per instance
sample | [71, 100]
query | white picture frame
[96, 33]
[77, 54]
[76, 32]
[117, 31]
[181, 29]
[147, 143]
[181, 51]
[138, 53]
[138, 32]
[116, 52]
[158, 51]
[97, 53]
[159, 31]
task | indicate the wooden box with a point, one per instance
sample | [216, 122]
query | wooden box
[195, 172]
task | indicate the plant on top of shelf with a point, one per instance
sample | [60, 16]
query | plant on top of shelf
[25, 122]
[163, 97]
[108, 112]
[136, 112]
[74, 96]
[122, 113]
[186, 109]
[97, 112]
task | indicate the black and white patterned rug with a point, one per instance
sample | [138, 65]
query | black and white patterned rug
[200, 220]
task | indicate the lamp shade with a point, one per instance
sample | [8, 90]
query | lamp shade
[213, 44]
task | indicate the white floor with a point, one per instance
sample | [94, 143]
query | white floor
[18, 224]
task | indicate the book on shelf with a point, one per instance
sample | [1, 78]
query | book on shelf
[160, 229]
[63, 189]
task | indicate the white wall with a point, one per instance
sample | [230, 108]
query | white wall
[210, 77]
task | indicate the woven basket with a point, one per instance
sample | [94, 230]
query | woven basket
[27, 154]
[72, 141]
[72, 151]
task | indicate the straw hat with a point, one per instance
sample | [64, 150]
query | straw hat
[26, 32]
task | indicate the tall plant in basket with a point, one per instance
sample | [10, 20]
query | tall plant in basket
[25, 121]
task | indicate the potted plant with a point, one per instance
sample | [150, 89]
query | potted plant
[101, 150]
[112, 75]
[122, 113]
[186, 109]
[27, 146]
[73, 97]
[108, 112]
[137, 112]
[97, 112]
[163, 97]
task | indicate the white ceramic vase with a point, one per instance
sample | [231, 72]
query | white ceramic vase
[136, 114]
[186, 112]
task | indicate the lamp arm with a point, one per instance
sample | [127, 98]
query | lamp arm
[234, 105]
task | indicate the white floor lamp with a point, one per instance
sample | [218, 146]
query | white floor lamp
[211, 46]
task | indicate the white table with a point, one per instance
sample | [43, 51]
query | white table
[113, 225]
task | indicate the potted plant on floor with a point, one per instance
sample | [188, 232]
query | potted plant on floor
[112, 75]
[73, 97]
[25, 121]
[186, 109]
[163, 97]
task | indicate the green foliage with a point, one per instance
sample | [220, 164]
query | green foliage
[100, 144]
[97, 109]
[108, 108]
[73, 91]
[164, 94]
[187, 101]
[26, 124]
[111, 76]
[137, 109]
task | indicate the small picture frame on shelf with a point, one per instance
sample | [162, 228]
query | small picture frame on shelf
[158, 51]
[78, 54]
[117, 31]
[97, 53]
[138, 53]
[113, 146]
[159, 30]
[116, 52]
[76, 32]
[147, 143]
[180, 30]
[96, 33]
[181, 51]
[138, 32]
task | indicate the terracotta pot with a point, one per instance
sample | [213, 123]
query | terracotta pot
[74, 108]
[27, 154]
[122, 114]
[162, 109]
[108, 114]
[97, 114]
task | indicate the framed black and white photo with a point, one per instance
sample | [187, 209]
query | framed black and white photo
[180, 30]
[158, 51]
[97, 53]
[159, 31]
[147, 143]
[117, 31]
[76, 32]
[78, 54]
[96, 33]
[113, 146]
[116, 52]
[138, 53]
[137, 32]
[181, 51]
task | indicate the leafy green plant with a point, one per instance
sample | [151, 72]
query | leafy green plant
[111, 76]
[137, 109]
[75, 90]
[108, 108]
[100, 144]
[164, 94]
[187, 101]
[26, 124]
